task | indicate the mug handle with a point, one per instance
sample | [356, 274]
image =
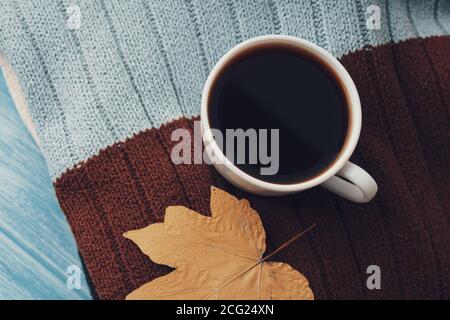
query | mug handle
[352, 183]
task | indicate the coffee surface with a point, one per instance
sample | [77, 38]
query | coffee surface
[281, 87]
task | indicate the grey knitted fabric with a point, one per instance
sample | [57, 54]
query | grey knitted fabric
[134, 65]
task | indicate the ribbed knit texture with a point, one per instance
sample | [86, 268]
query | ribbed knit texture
[136, 69]
[135, 64]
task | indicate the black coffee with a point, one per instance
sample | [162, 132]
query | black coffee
[279, 86]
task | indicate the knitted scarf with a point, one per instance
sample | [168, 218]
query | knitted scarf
[105, 95]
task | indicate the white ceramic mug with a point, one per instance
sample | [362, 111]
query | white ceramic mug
[342, 177]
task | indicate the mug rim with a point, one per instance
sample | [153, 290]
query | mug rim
[352, 97]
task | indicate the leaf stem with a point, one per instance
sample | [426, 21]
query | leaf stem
[284, 245]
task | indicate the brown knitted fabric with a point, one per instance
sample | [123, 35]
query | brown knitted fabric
[405, 95]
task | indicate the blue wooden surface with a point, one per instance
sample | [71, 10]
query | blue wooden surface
[36, 244]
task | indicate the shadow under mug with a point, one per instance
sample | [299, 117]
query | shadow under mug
[342, 177]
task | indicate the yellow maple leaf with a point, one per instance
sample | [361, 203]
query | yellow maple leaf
[217, 257]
